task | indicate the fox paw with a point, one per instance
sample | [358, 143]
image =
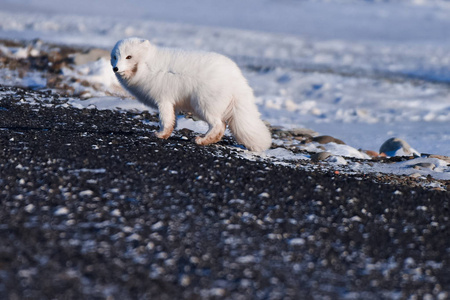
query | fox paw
[201, 141]
[162, 135]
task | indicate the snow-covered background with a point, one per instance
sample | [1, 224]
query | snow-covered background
[361, 71]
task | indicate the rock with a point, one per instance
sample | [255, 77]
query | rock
[424, 165]
[325, 139]
[397, 147]
[303, 135]
[415, 175]
[441, 157]
[90, 56]
[373, 153]
[186, 132]
[303, 132]
[320, 156]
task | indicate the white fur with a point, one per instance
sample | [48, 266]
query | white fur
[209, 85]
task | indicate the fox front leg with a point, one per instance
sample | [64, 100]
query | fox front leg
[166, 121]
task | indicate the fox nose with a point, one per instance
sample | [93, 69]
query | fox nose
[115, 69]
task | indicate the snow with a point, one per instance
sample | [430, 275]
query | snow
[108, 102]
[361, 71]
[98, 71]
[34, 81]
[282, 153]
[440, 171]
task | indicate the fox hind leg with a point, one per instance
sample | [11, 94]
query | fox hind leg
[214, 134]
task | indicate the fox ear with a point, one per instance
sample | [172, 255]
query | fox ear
[146, 42]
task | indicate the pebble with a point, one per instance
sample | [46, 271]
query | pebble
[116, 213]
[117, 257]
[236, 201]
[325, 139]
[29, 208]
[185, 280]
[246, 259]
[86, 193]
[297, 242]
[356, 219]
[134, 237]
[61, 211]
[217, 292]
[158, 225]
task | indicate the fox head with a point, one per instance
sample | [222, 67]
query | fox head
[127, 54]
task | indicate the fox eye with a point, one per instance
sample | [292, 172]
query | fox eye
[128, 57]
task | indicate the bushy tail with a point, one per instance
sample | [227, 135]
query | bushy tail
[245, 123]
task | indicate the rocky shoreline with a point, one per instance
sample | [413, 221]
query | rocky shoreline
[93, 207]
[57, 64]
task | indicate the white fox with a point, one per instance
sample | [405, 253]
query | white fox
[209, 85]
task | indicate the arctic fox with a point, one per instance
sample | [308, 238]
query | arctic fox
[209, 85]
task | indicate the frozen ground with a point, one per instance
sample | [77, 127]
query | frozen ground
[362, 72]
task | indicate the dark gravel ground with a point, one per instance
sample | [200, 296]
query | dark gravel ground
[93, 207]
